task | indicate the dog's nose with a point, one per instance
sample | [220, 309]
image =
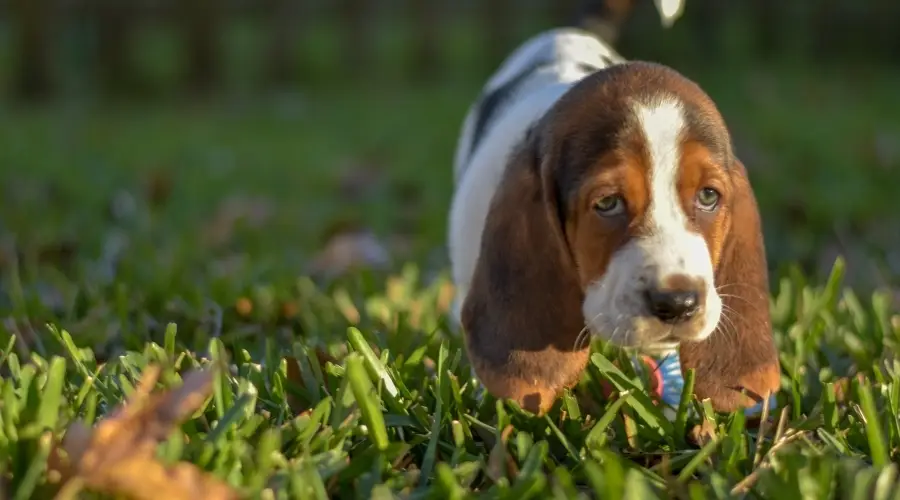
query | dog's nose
[672, 305]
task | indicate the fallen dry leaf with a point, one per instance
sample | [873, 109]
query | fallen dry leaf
[158, 187]
[118, 455]
[350, 250]
[843, 385]
[60, 253]
[361, 177]
[446, 294]
[244, 306]
[235, 210]
[289, 310]
[702, 433]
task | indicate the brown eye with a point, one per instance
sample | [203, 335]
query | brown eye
[609, 205]
[707, 199]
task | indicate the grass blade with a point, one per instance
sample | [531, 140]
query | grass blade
[374, 365]
[698, 459]
[364, 392]
[51, 398]
[597, 435]
[640, 401]
[877, 444]
[431, 452]
[687, 393]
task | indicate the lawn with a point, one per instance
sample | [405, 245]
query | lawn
[145, 236]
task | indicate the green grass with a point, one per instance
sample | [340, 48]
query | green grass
[90, 296]
[396, 412]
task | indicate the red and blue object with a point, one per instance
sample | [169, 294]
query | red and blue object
[666, 382]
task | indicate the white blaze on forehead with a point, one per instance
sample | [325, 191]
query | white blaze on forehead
[662, 125]
[614, 306]
[671, 247]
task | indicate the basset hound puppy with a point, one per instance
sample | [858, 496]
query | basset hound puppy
[603, 195]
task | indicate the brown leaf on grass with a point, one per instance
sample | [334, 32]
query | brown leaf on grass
[702, 433]
[289, 310]
[361, 177]
[117, 456]
[59, 253]
[842, 387]
[323, 357]
[234, 211]
[347, 251]
[158, 187]
[446, 294]
[243, 306]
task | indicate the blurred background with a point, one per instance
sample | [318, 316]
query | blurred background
[200, 147]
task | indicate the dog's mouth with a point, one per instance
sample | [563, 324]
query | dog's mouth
[666, 343]
[660, 347]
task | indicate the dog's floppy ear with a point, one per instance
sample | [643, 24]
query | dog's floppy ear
[522, 313]
[741, 353]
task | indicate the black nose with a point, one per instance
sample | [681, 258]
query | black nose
[672, 306]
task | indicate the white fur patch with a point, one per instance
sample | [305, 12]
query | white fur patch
[614, 306]
[566, 53]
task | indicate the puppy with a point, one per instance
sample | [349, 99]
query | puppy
[601, 195]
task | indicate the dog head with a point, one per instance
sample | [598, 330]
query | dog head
[623, 213]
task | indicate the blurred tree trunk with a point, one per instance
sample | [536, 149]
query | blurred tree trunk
[33, 80]
[889, 35]
[497, 18]
[895, 36]
[115, 23]
[769, 22]
[564, 12]
[355, 21]
[281, 61]
[426, 26]
[708, 16]
[202, 29]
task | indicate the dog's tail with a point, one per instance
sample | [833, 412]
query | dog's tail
[605, 18]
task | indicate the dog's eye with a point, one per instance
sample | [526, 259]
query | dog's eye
[609, 205]
[707, 199]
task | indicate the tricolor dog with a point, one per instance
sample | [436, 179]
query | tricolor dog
[599, 195]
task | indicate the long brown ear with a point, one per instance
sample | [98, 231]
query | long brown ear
[741, 353]
[522, 314]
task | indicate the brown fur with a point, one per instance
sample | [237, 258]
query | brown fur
[741, 354]
[698, 170]
[542, 243]
[523, 312]
[594, 240]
